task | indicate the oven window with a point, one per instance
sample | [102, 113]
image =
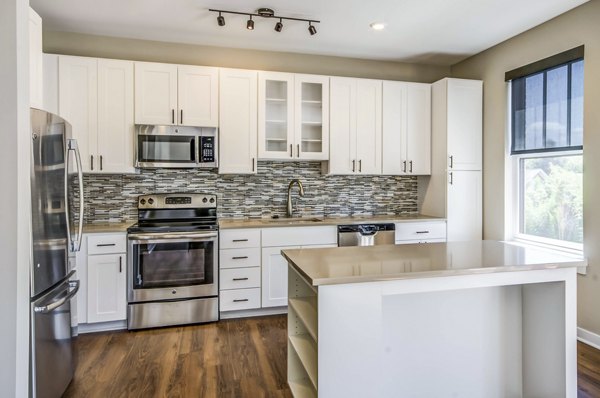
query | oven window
[173, 149]
[173, 264]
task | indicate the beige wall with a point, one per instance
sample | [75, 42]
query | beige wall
[144, 50]
[579, 26]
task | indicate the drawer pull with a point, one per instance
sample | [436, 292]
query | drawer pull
[240, 240]
[239, 257]
[422, 232]
[106, 244]
[240, 279]
[239, 300]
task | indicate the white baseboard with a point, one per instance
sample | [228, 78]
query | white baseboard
[589, 338]
[83, 328]
[251, 313]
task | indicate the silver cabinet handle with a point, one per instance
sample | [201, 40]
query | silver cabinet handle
[291, 150]
[239, 240]
[239, 257]
[410, 163]
[451, 179]
[353, 165]
[360, 166]
[239, 300]
[451, 162]
[298, 150]
[240, 279]
[92, 162]
[51, 307]
[404, 166]
[253, 165]
[172, 116]
[101, 162]
[422, 232]
[120, 264]
[105, 244]
[181, 116]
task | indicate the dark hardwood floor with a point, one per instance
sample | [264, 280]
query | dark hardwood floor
[230, 358]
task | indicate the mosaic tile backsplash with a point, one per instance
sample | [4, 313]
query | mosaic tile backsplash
[113, 198]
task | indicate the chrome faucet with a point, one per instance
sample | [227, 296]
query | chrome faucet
[290, 210]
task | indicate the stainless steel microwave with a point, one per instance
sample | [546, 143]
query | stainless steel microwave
[176, 147]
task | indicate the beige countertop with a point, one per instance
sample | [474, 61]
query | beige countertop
[107, 227]
[234, 223]
[343, 265]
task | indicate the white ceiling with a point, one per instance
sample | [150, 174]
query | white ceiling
[427, 31]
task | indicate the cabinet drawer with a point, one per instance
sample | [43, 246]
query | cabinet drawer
[299, 236]
[239, 299]
[239, 258]
[239, 278]
[106, 243]
[420, 231]
[239, 238]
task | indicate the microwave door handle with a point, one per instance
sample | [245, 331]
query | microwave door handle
[73, 146]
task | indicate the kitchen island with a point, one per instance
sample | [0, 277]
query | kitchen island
[461, 319]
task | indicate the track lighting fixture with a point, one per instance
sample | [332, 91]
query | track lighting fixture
[221, 20]
[278, 26]
[266, 13]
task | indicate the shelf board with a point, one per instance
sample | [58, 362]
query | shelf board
[302, 389]
[306, 308]
[311, 140]
[315, 102]
[307, 352]
[277, 139]
[276, 99]
[276, 121]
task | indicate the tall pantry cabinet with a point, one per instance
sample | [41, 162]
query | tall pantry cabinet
[454, 189]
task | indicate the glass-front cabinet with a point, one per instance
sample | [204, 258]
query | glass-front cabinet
[293, 116]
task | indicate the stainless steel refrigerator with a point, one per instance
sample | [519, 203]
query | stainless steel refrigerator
[55, 174]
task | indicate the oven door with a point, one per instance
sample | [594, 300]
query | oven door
[172, 266]
[166, 151]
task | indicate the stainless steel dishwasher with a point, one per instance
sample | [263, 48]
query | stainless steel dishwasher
[366, 234]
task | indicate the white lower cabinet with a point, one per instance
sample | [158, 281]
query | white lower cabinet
[420, 232]
[274, 276]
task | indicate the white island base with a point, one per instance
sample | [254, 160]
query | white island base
[487, 334]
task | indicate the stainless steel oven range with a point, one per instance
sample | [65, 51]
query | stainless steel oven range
[172, 261]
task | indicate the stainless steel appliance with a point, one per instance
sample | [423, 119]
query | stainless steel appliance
[52, 287]
[176, 146]
[172, 261]
[366, 234]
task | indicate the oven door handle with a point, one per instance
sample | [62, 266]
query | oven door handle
[191, 237]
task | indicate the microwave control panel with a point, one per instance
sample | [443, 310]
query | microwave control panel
[207, 149]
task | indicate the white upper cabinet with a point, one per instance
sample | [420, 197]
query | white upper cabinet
[36, 82]
[238, 109]
[155, 93]
[293, 116]
[464, 123]
[96, 97]
[198, 96]
[167, 94]
[78, 103]
[406, 128]
[115, 140]
[355, 126]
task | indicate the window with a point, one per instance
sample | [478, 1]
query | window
[547, 151]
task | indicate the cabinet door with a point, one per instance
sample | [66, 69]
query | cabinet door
[115, 116]
[275, 277]
[276, 116]
[418, 128]
[465, 106]
[81, 261]
[78, 103]
[394, 125]
[36, 85]
[50, 81]
[106, 288]
[342, 129]
[198, 96]
[238, 108]
[368, 126]
[155, 93]
[464, 212]
[311, 129]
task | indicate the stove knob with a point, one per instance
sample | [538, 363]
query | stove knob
[142, 201]
[212, 200]
[150, 201]
[204, 200]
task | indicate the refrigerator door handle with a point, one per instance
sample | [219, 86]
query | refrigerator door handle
[73, 146]
[51, 307]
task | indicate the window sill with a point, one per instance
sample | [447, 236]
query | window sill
[558, 249]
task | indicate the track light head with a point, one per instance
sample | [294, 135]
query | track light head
[311, 29]
[221, 20]
[279, 26]
[250, 24]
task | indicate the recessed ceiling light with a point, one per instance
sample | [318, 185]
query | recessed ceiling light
[377, 25]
